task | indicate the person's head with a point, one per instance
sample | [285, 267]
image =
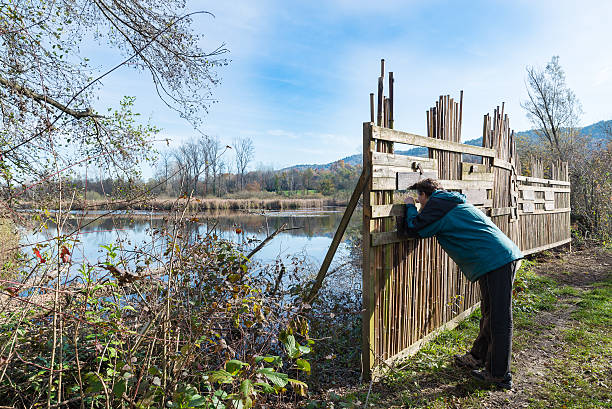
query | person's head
[425, 189]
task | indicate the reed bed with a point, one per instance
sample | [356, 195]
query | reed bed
[194, 204]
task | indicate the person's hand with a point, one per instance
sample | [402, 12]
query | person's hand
[409, 200]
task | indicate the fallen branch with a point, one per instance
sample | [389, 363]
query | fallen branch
[270, 237]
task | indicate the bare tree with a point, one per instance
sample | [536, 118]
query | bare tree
[554, 111]
[48, 87]
[552, 107]
[245, 152]
[211, 147]
[164, 165]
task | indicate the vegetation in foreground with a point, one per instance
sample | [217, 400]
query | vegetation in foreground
[562, 347]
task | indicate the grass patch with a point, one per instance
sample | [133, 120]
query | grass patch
[578, 376]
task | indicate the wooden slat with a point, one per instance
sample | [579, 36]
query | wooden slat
[544, 189]
[475, 196]
[392, 135]
[414, 348]
[392, 172]
[501, 211]
[391, 184]
[380, 239]
[466, 184]
[541, 211]
[546, 247]
[384, 183]
[500, 163]
[539, 201]
[407, 179]
[528, 195]
[346, 217]
[467, 167]
[485, 206]
[388, 210]
[540, 180]
[392, 159]
[486, 177]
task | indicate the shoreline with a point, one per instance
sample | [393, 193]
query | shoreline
[199, 205]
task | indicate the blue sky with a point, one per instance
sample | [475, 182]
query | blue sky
[301, 72]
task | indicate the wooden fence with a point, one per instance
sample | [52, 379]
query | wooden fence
[411, 288]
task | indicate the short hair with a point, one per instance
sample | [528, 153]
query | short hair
[427, 186]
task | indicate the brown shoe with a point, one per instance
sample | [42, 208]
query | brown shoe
[469, 361]
[485, 376]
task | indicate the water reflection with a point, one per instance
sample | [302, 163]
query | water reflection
[311, 232]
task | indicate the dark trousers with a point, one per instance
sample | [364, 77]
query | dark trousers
[494, 341]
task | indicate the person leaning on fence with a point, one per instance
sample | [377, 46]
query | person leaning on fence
[484, 254]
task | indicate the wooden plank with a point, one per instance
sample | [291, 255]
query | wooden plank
[485, 206]
[544, 189]
[466, 184]
[500, 163]
[541, 211]
[416, 346]
[380, 239]
[390, 184]
[388, 171]
[486, 177]
[467, 167]
[346, 217]
[546, 247]
[549, 205]
[384, 183]
[548, 195]
[392, 135]
[501, 211]
[388, 210]
[475, 196]
[540, 180]
[407, 179]
[367, 277]
[528, 207]
[394, 159]
[528, 195]
[539, 201]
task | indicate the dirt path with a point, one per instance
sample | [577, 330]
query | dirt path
[549, 367]
[579, 270]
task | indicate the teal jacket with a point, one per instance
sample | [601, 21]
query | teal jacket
[469, 237]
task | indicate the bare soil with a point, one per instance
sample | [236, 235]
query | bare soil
[578, 269]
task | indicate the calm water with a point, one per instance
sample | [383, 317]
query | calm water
[311, 237]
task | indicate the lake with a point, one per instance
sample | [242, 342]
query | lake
[310, 235]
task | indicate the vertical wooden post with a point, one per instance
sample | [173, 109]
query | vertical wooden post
[367, 321]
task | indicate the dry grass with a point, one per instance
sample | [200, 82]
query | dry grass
[211, 204]
[9, 241]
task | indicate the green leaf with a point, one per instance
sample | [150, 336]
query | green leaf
[246, 388]
[275, 360]
[277, 378]
[196, 401]
[119, 388]
[290, 346]
[220, 376]
[265, 387]
[303, 365]
[233, 366]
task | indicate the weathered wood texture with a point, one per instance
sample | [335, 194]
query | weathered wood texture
[410, 286]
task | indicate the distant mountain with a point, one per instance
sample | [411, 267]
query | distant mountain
[596, 131]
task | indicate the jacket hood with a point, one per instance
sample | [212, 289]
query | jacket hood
[454, 197]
